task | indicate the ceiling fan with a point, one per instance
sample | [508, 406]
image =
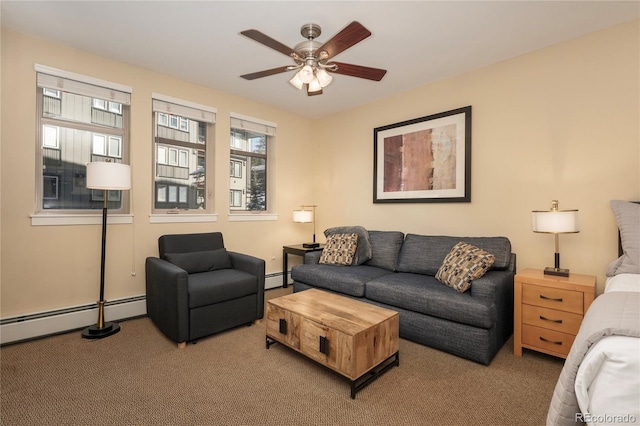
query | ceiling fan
[313, 59]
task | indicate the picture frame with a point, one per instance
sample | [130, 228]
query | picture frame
[424, 160]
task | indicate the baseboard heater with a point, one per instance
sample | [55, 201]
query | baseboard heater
[41, 324]
[37, 325]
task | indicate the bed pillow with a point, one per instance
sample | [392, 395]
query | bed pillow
[628, 218]
[463, 264]
[201, 261]
[363, 250]
[339, 250]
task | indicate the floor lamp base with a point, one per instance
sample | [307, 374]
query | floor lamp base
[93, 332]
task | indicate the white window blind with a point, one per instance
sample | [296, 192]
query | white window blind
[252, 124]
[184, 109]
[50, 78]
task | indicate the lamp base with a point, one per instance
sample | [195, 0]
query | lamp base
[311, 245]
[93, 332]
[559, 272]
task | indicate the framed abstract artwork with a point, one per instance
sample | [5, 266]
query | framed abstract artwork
[424, 160]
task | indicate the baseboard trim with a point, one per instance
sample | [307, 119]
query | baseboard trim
[27, 327]
[41, 324]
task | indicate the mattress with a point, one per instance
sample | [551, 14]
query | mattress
[607, 383]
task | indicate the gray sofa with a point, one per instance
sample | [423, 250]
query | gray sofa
[398, 272]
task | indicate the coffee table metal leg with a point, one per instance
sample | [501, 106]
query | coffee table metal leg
[364, 380]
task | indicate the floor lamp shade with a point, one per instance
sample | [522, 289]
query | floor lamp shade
[106, 176]
[555, 222]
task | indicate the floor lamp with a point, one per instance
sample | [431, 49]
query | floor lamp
[555, 222]
[107, 176]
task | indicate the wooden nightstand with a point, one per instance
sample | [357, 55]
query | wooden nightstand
[548, 310]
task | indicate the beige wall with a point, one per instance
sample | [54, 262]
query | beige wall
[560, 123]
[52, 267]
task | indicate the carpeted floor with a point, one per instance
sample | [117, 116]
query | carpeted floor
[138, 377]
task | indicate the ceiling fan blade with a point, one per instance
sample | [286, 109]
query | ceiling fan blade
[268, 41]
[350, 35]
[265, 73]
[359, 71]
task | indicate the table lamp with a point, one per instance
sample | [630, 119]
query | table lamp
[307, 216]
[555, 222]
[107, 176]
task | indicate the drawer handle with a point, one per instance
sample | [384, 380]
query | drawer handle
[283, 326]
[552, 320]
[550, 341]
[555, 299]
[324, 345]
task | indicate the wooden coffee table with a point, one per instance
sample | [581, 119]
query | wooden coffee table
[355, 339]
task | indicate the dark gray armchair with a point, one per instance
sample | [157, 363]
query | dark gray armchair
[197, 288]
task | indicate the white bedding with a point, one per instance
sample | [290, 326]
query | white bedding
[608, 380]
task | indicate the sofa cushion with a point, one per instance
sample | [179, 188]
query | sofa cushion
[385, 247]
[200, 261]
[207, 288]
[463, 264]
[426, 295]
[363, 250]
[350, 281]
[423, 254]
[339, 250]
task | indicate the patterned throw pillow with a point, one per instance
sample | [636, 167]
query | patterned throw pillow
[339, 250]
[463, 264]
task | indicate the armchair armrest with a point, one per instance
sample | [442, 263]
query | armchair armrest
[254, 266]
[167, 298]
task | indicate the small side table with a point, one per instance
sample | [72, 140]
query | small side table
[548, 310]
[298, 250]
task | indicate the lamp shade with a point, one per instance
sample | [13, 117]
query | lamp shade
[302, 216]
[108, 176]
[555, 222]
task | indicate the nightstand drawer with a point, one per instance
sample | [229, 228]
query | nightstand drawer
[552, 319]
[553, 298]
[549, 340]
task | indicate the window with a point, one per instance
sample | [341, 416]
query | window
[249, 163]
[80, 120]
[182, 131]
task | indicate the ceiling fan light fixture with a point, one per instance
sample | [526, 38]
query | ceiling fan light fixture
[315, 86]
[306, 74]
[296, 81]
[324, 78]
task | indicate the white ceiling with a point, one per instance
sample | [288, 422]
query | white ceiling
[418, 42]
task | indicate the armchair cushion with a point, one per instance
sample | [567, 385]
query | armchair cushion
[211, 287]
[201, 261]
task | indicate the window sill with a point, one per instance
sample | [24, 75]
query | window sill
[182, 218]
[252, 217]
[78, 219]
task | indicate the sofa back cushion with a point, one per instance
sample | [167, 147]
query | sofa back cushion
[424, 254]
[385, 248]
[188, 243]
[363, 249]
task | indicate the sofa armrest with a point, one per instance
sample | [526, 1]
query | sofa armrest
[496, 288]
[254, 266]
[167, 298]
[312, 257]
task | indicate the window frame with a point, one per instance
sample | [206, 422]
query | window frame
[185, 155]
[93, 88]
[260, 127]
